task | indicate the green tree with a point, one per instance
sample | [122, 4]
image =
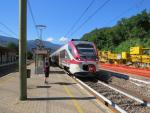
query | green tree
[13, 46]
[127, 32]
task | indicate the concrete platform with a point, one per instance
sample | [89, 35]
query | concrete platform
[61, 95]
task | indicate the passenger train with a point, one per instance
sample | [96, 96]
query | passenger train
[79, 58]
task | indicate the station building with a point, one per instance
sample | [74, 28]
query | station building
[7, 56]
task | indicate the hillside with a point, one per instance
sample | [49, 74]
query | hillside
[54, 47]
[4, 40]
[133, 31]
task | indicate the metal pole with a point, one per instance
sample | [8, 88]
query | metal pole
[22, 49]
[41, 34]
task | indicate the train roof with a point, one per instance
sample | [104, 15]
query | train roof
[58, 50]
[78, 40]
[75, 41]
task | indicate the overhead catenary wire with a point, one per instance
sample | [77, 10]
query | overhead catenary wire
[93, 14]
[77, 21]
[33, 18]
[124, 12]
[3, 32]
[14, 34]
[119, 15]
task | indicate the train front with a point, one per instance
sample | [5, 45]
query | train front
[85, 58]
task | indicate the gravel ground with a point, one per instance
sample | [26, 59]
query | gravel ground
[129, 85]
[133, 87]
[136, 87]
[124, 102]
[140, 78]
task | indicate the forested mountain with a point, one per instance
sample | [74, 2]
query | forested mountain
[133, 31]
[4, 41]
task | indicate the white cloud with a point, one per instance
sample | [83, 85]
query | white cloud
[63, 39]
[50, 39]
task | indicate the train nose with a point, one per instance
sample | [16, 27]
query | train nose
[91, 68]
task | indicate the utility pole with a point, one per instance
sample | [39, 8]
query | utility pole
[40, 28]
[22, 49]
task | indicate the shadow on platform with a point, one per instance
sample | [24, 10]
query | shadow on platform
[62, 83]
[57, 72]
[60, 98]
[34, 87]
[43, 86]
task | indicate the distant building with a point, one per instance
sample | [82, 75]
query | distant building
[7, 56]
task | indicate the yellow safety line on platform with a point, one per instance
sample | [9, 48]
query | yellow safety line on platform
[76, 104]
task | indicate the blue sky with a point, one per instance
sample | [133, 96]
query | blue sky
[60, 15]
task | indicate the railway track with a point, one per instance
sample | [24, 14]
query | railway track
[128, 83]
[115, 97]
[119, 100]
[4, 70]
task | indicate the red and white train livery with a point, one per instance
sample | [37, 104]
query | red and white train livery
[77, 57]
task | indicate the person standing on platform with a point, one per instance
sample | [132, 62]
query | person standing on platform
[46, 71]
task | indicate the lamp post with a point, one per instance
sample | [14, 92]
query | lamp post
[39, 62]
[40, 28]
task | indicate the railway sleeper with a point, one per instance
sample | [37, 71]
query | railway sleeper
[124, 101]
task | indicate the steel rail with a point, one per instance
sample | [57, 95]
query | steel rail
[128, 95]
[98, 95]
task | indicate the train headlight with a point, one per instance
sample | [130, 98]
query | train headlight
[78, 58]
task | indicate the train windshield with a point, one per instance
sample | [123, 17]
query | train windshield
[86, 51]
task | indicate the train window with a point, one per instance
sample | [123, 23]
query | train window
[86, 51]
[62, 54]
[84, 46]
[67, 56]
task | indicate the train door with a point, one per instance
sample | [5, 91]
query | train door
[64, 58]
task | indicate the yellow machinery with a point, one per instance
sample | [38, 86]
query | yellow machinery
[114, 58]
[138, 56]
[136, 50]
[146, 55]
[125, 55]
[109, 57]
[103, 56]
